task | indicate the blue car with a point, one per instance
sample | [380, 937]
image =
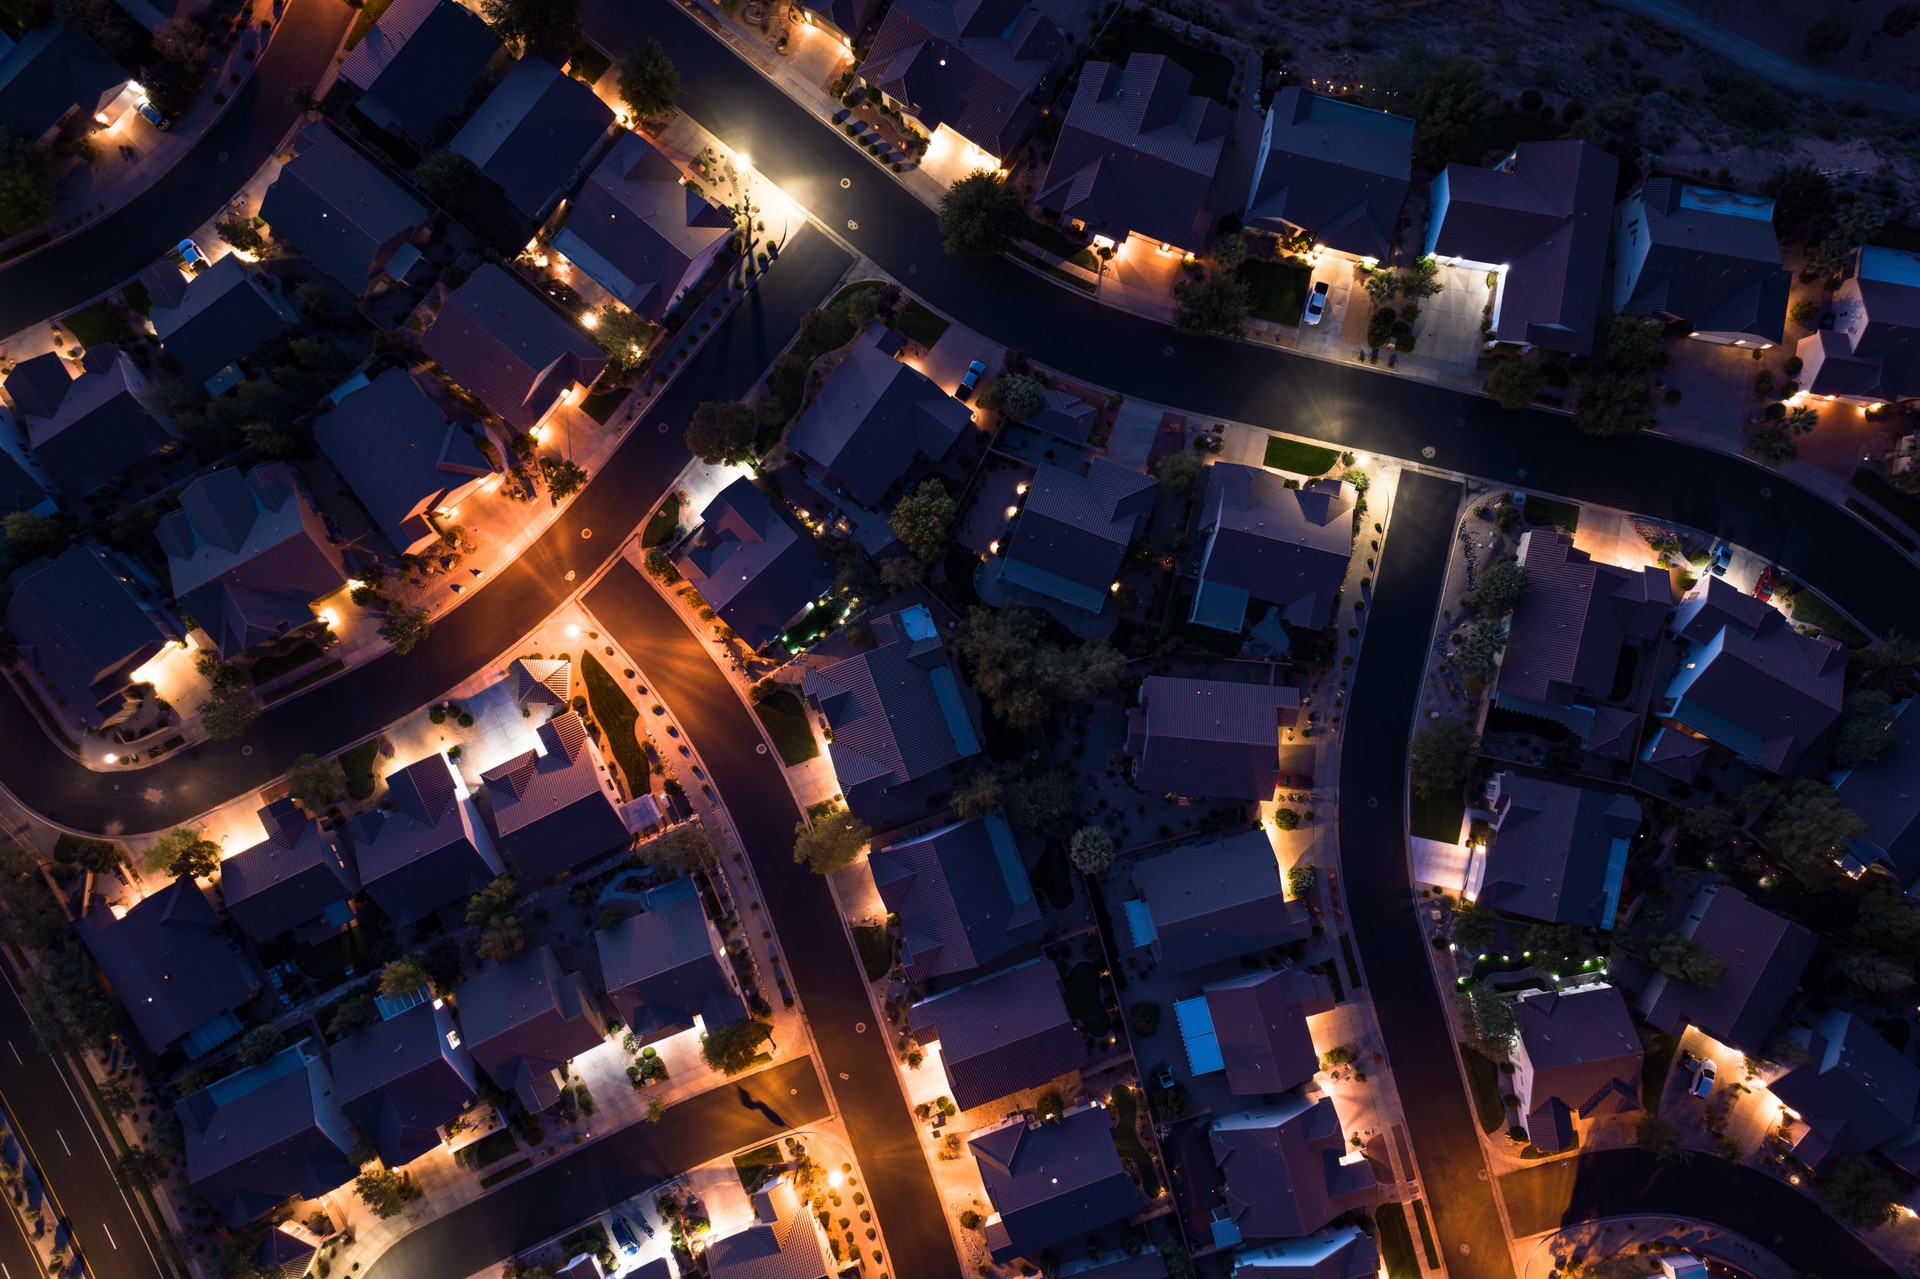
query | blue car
[623, 1235]
[190, 253]
[152, 113]
[975, 371]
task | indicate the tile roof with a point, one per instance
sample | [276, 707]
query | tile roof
[400, 1079]
[1260, 1027]
[1854, 1092]
[962, 895]
[1711, 259]
[1544, 213]
[54, 69]
[1336, 170]
[752, 565]
[1064, 415]
[1344, 1253]
[639, 232]
[165, 282]
[780, 1244]
[1765, 692]
[1137, 153]
[499, 339]
[1073, 531]
[874, 416]
[20, 491]
[1050, 1183]
[1284, 1171]
[1210, 738]
[226, 314]
[423, 851]
[848, 17]
[99, 429]
[1002, 1033]
[1273, 544]
[1873, 348]
[1679, 755]
[1578, 1046]
[523, 1019]
[1148, 1264]
[78, 620]
[1559, 853]
[292, 877]
[972, 65]
[1765, 956]
[1829, 367]
[554, 807]
[1217, 901]
[1886, 796]
[38, 384]
[340, 209]
[534, 133]
[662, 970]
[419, 63]
[266, 1135]
[401, 452]
[169, 961]
[541, 681]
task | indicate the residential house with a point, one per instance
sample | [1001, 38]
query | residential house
[1342, 1253]
[498, 338]
[1050, 1183]
[962, 895]
[1137, 155]
[1539, 220]
[297, 878]
[418, 65]
[1571, 635]
[271, 1133]
[970, 67]
[844, 20]
[289, 1247]
[1705, 258]
[535, 134]
[1148, 1264]
[1065, 416]
[249, 556]
[780, 1244]
[20, 490]
[1745, 679]
[874, 417]
[227, 315]
[1073, 530]
[1886, 796]
[1255, 1029]
[81, 625]
[665, 970]
[586, 1265]
[1854, 1091]
[640, 232]
[1264, 543]
[524, 1019]
[1208, 738]
[406, 453]
[1001, 1033]
[900, 719]
[344, 214]
[1576, 1055]
[555, 807]
[541, 683]
[57, 76]
[1558, 853]
[1212, 902]
[179, 975]
[166, 282]
[87, 431]
[753, 566]
[1871, 354]
[423, 849]
[402, 1079]
[1288, 1169]
[1764, 957]
[1335, 171]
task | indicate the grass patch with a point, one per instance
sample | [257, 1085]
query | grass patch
[275, 665]
[1126, 1138]
[1396, 1242]
[875, 945]
[755, 1168]
[308, 680]
[357, 764]
[1300, 457]
[1278, 289]
[1057, 242]
[660, 527]
[1544, 510]
[1086, 1003]
[918, 324]
[1426, 1234]
[1811, 610]
[492, 1148]
[1212, 72]
[363, 20]
[588, 63]
[837, 332]
[1353, 968]
[1059, 273]
[70, 848]
[513, 1169]
[1436, 816]
[784, 716]
[1657, 1050]
[618, 718]
[1483, 1081]
[136, 296]
[1903, 506]
[600, 404]
[95, 325]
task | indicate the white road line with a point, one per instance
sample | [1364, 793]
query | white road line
[15, 1052]
[63, 1142]
[108, 1229]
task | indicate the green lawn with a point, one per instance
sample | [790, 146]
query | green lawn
[660, 527]
[785, 719]
[1810, 610]
[1544, 510]
[1396, 1242]
[513, 1169]
[363, 21]
[1483, 1081]
[600, 404]
[755, 1167]
[838, 331]
[1126, 1139]
[1278, 289]
[1426, 1234]
[1655, 1059]
[278, 664]
[876, 949]
[95, 325]
[1086, 1003]
[1300, 457]
[918, 324]
[135, 295]
[492, 1148]
[68, 848]
[1047, 236]
[619, 718]
[588, 63]
[357, 764]
[1212, 72]
[1057, 272]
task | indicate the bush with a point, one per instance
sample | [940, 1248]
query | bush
[1286, 819]
[1144, 1017]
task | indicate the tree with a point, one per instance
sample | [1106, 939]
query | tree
[1856, 225]
[350, 1014]
[1479, 649]
[141, 1167]
[315, 782]
[1827, 37]
[446, 175]
[924, 517]
[404, 626]
[1659, 1137]
[980, 213]
[1703, 828]
[684, 848]
[565, 477]
[26, 183]
[242, 234]
[1614, 404]
[534, 24]
[1018, 396]
[495, 899]
[622, 335]
[1772, 443]
[1023, 677]
[1182, 473]
[1809, 828]
[832, 843]
[732, 1048]
[1685, 960]
[722, 432]
[1091, 850]
[649, 82]
[981, 793]
[1515, 381]
[501, 939]
[1556, 947]
[227, 713]
[1801, 195]
[1442, 755]
[1473, 925]
[403, 976]
[260, 1044]
[1048, 804]
[30, 536]
[1487, 1020]
[1805, 312]
[1217, 302]
[184, 852]
[1859, 1193]
[1450, 104]
[314, 301]
[1866, 729]
[100, 856]
[1382, 286]
[385, 1192]
[1501, 587]
[1872, 974]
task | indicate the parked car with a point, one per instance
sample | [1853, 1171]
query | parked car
[1721, 558]
[623, 1235]
[1769, 578]
[975, 372]
[1316, 304]
[1703, 1081]
[190, 253]
[152, 113]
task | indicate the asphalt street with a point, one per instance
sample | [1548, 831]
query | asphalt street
[130, 239]
[563, 1192]
[63, 1137]
[17, 1258]
[856, 1052]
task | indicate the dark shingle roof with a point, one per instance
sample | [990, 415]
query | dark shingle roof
[1217, 901]
[1272, 544]
[54, 69]
[19, 491]
[259, 1138]
[1873, 349]
[1260, 1024]
[37, 385]
[100, 429]
[874, 416]
[1199, 738]
[225, 315]
[295, 875]
[1764, 955]
[424, 853]
[553, 808]
[849, 17]
[339, 209]
[79, 622]
[525, 1017]
[541, 681]
[400, 1079]
[752, 565]
[1886, 796]
[1002, 1033]
[1283, 1168]
[170, 963]
[1710, 258]
[533, 133]
[971, 65]
[1854, 1091]
[661, 970]
[1336, 170]
[780, 1244]
[1559, 853]
[1052, 1182]
[962, 895]
[1343, 1253]
[401, 452]
[499, 339]
[1073, 531]
[419, 63]
[1582, 1048]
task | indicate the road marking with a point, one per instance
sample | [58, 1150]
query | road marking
[15, 1052]
[110, 1239]
[63, 1142]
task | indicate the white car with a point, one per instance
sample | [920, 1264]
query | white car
[1316, 304]
[1703, 1081]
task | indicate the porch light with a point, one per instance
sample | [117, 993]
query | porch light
[1114, 589]
[1012, 511]
[591, 320]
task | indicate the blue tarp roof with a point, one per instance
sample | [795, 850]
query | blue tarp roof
[1196, 1029]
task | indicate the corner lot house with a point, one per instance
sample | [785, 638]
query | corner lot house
[297, 878]
[1137, 156]
[753, 566]
[1332, 170]
[1704, 258]
[780, 1244]
[1540, 219]
[226, 315]
[343, 212]
[1557, 853]
[874, 418]
[499, 339]
[664, 970]
[1200, 738]
[1854, 1092]
[1001, 1034]
[418, 66]
[90, 430]
[1764, 957]
[57, 77]
[1343, 1253]
[1073, 531]
[174, 969]
[554, 807]
[1255, 1029]
[402, 1079]
[525, 1019]
[1264, 543]
[962, 895]
[1871, 355]
[535, 134]
[1577, 1056]
[272, 1132]
[424, 848]
[1289, 1171]
[1212, 902]
[1050, 1183]
[84, 629]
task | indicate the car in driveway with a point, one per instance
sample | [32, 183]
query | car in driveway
[151, 113]
[1316, 304]
[190, 253]
[623, 1235]
[1703, 1080]
[971, 381]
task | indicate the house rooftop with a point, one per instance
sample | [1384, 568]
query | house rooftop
[553, 806]
[1194, 737]
[265, 1135]
[962, 895]
[1255, 1029]
[339, 208]
[874, 416]
[1051, 1182]
[971, 65]
[752, 565]
[1854, 1092]
[1712, 260]
[1764, 957]
[400, 450]
[78, 620]
[524, 1018]
[1886, 796]
[1265, 543]
[1002, 1033]
[1073, 531]
[401, 1079]
[420, 851]
[418, 64]
[1336, 170]
[1214, 901]
[296, 875]
[225, 315]
[176, 971]
[661, 970]
[1559, 853]
[1288, 1169]
[501, 340]
[533, 133]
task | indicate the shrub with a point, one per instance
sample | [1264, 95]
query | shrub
[1144, 1017]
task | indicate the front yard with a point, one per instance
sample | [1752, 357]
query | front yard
[1300, 457]
[1277, 290]
[784, 716]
